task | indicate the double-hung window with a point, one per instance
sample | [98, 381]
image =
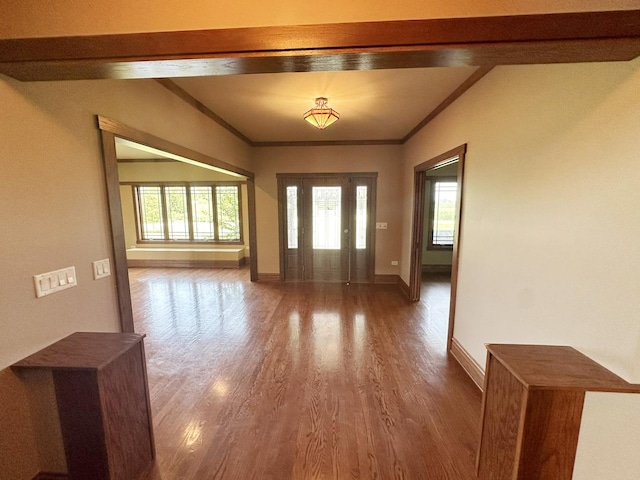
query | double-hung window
[181, 212]
[442, 213]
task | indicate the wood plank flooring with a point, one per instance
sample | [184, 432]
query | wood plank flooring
[296, 381]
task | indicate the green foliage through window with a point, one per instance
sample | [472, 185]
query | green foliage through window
[188, 213]
[443, 213]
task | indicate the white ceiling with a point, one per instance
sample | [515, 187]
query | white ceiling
[128, 150]
[373, 105]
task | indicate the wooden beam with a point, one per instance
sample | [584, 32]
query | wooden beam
[523, 39]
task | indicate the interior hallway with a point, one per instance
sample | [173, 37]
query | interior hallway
[295, 381]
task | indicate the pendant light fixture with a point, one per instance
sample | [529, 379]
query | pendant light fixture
[321, 116]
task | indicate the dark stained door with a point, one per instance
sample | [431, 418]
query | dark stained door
[326, 229]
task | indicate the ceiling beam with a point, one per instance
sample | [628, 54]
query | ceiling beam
[478, 41]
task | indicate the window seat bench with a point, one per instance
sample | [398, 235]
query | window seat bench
[185, 257]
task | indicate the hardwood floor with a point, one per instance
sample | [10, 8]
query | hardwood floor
[296, 381]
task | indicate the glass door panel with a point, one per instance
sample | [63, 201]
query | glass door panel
[327, 216]
[292, 216]
[361, 217]
[361, 253]
[326, 230]
[291, 223]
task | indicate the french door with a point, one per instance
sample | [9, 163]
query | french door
[326, 227]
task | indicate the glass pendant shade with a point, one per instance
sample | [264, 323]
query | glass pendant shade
[321, 116]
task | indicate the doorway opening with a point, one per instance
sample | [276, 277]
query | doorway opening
[439, 233]
[326, 229]
[112, 131]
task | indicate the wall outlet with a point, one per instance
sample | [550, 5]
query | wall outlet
[52, 282]
[381, 225]
[394, 262]
[101, 269]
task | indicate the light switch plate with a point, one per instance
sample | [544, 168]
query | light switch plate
[52, 282]
[101, 269]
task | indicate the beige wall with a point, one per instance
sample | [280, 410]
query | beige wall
[170, 172]
[70, 17]
[54, 214]
[549, 243]
[52, 169]
[386, 160]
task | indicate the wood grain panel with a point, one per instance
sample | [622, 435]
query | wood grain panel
[551, 366]
[550, 434]
[18, 443]
[568, 37]
[81, 350]
[81, 421]
[126, 419]
[462, 31]
[549, 385]
[505, 399]
[103, 403]
[517, 53]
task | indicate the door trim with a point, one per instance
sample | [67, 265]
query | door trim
[415, 274]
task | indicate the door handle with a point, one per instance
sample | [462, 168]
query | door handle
[346, 230]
